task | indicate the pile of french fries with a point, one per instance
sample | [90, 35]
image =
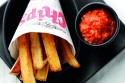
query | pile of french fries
[38, 53]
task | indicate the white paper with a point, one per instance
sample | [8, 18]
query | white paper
[2, 2]
[119, 7]
[42, 16]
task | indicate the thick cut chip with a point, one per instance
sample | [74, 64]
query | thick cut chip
[36, 50]
[51, 52]
[36, 72]
[56, 42]
[15, 70]
[42, 73]
[25, 59]
[67, 54]
[16, 67]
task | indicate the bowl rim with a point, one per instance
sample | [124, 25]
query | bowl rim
[117, 27]
[9, 58]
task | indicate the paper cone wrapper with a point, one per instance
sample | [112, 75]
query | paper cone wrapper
[43, 16]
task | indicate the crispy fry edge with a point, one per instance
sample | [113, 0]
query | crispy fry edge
[51, 52]
[67, 54]
[25, 59]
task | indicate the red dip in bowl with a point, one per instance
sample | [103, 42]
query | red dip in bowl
[97, 26]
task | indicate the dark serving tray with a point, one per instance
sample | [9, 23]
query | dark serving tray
[2, 51]
[91, 59]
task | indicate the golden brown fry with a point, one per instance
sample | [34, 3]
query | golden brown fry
[16, 67]
[56, 41]
[42, 73]
[25, 59]
[36, 72]
[67, 54]
[51, 52]
[15, 70]
[36, 50]
[45, 61]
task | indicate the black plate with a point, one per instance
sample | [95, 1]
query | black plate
[2, 51]
[91, 59]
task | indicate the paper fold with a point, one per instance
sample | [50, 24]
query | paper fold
[43, 16]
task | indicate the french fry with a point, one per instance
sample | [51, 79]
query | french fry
[15, 70]
[36, 50]
[16, 67]
[25, 59]
[56, 41]
[42, 73]
[42, 58]
[67, 54]
[51, 52]
[36, 72]
[45, 61]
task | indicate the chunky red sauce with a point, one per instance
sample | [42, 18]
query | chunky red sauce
[97, 26]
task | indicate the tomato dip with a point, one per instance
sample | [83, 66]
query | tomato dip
[97, 26]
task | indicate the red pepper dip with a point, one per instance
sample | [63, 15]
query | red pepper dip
[97, 26]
